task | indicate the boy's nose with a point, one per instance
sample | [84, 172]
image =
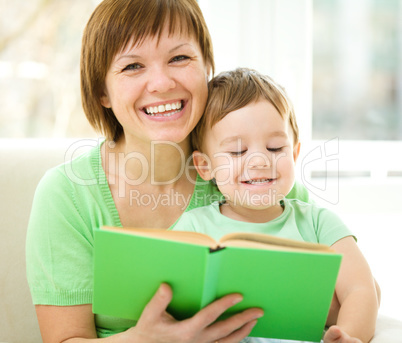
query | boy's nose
[260, 161]
[258, 166]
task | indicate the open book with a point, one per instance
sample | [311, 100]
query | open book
[292, 281]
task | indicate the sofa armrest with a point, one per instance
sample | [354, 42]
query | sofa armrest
[389, 330]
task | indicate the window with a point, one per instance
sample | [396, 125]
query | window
[39, 68]
[357, 69]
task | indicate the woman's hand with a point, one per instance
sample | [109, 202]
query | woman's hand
[156, 325]
[75, 324]
[336, 335]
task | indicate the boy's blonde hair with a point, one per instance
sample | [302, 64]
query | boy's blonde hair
[232, 90]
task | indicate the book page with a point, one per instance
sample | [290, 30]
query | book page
[264, 246]
[247, 239]
[178, 236]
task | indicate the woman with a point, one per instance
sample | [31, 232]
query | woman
[144, 72]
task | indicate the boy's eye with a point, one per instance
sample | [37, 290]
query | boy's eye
[179, 58]
[132, 66]
[237, 153]
[275, 149]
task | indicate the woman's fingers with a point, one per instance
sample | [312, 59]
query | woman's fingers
[202, 327]
[213, 311]
[239, 334]
[238, 325]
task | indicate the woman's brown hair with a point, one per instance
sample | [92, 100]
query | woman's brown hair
[116, 23]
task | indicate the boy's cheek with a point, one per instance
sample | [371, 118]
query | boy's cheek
[223, 176]
[223, 162]
[283, 161]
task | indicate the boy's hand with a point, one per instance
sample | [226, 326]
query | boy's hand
[336, 335]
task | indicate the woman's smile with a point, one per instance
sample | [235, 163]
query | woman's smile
[164, 110]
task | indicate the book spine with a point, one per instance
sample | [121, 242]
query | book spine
[212, 270]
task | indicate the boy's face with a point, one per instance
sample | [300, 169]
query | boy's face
[251, 156]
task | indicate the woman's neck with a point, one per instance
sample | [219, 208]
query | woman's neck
[159, 163]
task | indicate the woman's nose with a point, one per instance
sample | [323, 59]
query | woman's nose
[160, 80]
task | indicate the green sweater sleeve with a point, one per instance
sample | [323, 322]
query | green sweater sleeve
[59, 246]
[70, 201]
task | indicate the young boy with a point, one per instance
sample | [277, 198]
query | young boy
[247, 142]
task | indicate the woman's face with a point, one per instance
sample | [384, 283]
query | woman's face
[158, 89]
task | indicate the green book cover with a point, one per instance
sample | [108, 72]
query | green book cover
[293, 286]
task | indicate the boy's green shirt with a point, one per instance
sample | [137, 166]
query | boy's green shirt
[299, 221]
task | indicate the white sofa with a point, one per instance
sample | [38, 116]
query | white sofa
[22, 164]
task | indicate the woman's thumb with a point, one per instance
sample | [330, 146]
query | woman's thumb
[159, 302]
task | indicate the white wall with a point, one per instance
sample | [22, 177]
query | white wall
[271, 36]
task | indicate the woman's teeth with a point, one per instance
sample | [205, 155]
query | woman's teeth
[166, 110]
[258, 181]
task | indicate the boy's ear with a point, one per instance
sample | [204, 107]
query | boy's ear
[203, 165]
[296, 151]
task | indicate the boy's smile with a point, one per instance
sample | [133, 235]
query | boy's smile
[251, 155]
[258, 181]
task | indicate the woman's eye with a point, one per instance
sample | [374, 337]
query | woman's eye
[237, 153]
[275, 149]
[132, 66]
[179, 58]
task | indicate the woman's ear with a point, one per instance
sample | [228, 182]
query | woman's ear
[209, 72]
[105, 101]
[203, 165]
